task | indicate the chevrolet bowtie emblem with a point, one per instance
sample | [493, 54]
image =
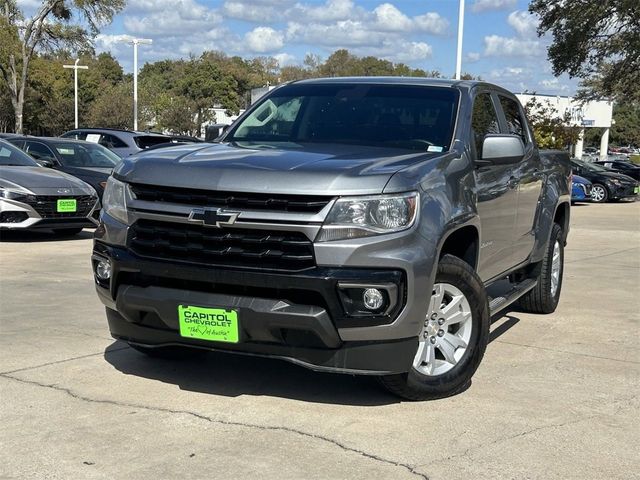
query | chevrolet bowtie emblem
[213, 217]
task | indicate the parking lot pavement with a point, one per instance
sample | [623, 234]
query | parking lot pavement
[555, 397]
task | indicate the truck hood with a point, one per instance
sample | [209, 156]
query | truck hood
[40, 180]
[319, 169]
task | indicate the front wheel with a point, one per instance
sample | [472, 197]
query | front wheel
[599, 193]
[453, 337]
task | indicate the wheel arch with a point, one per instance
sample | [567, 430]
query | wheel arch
[462, 242]
[562, 217]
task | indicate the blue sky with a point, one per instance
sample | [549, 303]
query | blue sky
[500, 41]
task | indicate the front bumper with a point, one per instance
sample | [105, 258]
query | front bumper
[624, 191]
[15, 215]
[295, 316]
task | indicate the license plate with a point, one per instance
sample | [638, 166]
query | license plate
[203, 323]
[636, 190]
[66, 205]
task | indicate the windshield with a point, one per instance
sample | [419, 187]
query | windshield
[400, 116]
[86, 155]
[591, 166]
[13, 156]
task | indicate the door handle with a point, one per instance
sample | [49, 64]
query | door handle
[513, 183]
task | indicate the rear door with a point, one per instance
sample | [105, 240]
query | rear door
[528, 175]
[496, 191]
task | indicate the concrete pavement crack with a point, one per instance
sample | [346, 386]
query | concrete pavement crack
[342, 446]
[567, 353]
[71, 359]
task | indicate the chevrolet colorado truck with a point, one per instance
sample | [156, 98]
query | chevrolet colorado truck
[354, 225]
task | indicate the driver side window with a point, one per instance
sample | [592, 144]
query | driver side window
[39, 150]
[484, 121]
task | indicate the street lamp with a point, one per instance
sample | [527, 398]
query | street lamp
[135, 42]
[460, 29]
[76, 67]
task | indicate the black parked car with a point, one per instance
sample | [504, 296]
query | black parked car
[87, 161]
[607, 184]
[620, 166]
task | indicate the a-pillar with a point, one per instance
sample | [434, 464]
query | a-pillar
[604, 144]
[579, 145]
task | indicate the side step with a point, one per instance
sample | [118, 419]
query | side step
[504, 300]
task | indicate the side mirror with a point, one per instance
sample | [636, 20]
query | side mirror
[501, 149]
[45, 162]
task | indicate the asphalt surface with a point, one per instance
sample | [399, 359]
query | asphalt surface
[555, 397]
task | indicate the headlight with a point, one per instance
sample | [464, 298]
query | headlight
[355, 217]
[615, 181]
[19, 194]
[114, 200]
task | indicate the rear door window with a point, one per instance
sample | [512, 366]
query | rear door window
[484, 120]
[513, 116]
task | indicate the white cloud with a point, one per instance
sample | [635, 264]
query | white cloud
[256, 11]
[495, 45]
[524, 23]
[472, 57]
[485, 5]
[554, 85]
[390, 18]
[285, 59]
[264, 39]
[331, 11]
[176, 18]
[431, 22]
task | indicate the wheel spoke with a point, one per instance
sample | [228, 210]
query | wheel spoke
[457, 317]
[430, 358]
[454, 340]
[453, 306]
[448, 351]
[437, 297]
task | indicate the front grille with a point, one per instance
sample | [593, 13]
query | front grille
[47, 206]
[258, 249]
[246, 201]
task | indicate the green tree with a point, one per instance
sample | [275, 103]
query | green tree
[49, 28]
[597, 41]
[112, 108]
[550, 129]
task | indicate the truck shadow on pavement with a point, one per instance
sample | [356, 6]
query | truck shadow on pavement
[232, 375]
[42, 236]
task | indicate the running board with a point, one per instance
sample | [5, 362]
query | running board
[503, 301]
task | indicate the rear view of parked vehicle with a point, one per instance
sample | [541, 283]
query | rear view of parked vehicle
[33, 197]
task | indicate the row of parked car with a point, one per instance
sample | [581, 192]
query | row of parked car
[64, 196]
[604, 181]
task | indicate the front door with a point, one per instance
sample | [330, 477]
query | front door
[529, 176]
[497, 195]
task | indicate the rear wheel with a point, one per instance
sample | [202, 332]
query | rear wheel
[453, 338]
[545, 296]
[67, 231]
[599, 193]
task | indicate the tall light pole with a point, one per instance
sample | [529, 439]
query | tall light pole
[135, 42]
[76, 67]
[460, 30]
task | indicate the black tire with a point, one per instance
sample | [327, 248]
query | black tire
[604, 190]
[64, 232]
[169, 353]
[417, 386]
[541, 299]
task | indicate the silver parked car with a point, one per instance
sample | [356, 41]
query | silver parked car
[34, 197]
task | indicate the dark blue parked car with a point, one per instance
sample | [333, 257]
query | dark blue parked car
[580, 189]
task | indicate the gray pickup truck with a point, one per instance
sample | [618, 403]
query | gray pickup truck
[355, 225]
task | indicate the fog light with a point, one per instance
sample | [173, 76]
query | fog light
[373, 298]
[103, 270]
